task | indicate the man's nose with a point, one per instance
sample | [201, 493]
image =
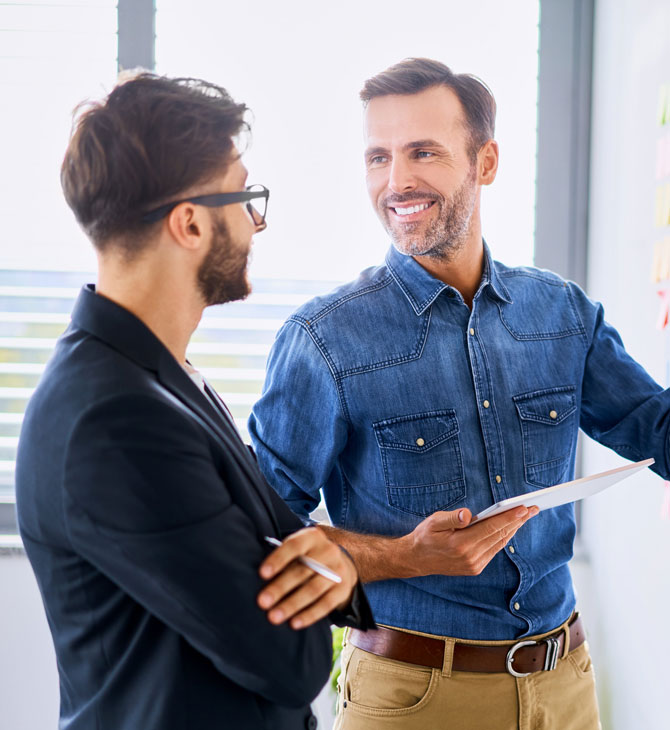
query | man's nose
[401, 178]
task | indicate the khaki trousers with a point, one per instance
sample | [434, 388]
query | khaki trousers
[375, 693]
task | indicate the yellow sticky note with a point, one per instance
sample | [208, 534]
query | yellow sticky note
[661, 265]
[664, 271]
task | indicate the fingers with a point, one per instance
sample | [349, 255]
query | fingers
[294, 546]
[296, 593]
[314, 600]
[496, 536]
[507, 523]
[319, 609]
[454, 520]
[286, 582]
[309, 541]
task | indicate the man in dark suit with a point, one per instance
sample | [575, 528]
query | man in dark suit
[141, 510]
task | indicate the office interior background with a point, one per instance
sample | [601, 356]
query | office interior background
[583, 92]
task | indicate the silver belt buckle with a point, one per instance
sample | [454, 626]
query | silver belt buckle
[550, 661]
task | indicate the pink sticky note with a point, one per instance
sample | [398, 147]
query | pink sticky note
[664, 311]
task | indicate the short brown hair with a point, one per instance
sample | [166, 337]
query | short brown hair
[417, 74]
[150, 139]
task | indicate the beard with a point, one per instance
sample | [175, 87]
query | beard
[222, 276]
[444, 236]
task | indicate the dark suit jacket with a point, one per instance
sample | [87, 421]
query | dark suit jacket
[143, 515]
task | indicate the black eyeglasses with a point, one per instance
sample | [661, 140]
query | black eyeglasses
[252, 192]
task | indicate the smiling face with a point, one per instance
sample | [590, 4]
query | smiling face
[420, 175]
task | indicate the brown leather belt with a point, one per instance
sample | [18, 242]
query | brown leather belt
[519, 659]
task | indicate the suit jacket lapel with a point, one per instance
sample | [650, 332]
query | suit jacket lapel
[173, 377]
[120, 329]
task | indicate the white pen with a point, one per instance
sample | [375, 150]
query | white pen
[315, 565]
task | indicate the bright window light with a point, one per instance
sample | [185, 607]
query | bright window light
[299, 65]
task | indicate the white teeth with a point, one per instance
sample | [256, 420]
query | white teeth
[413, 209]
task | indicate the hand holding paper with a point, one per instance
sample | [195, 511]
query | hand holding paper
[446, 543]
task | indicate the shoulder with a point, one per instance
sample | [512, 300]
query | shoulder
[544, 302]
[532, 281]
[528, 276]
[88, 387]
[348, 329]
[369, 285]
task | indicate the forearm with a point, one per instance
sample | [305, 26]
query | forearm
[443, 544]
[376, 557]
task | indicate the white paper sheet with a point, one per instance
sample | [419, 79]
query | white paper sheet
[566, 492]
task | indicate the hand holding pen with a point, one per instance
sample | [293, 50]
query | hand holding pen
[309, 562]
[310, 576]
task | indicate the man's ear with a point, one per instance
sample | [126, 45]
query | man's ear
[487, 162]
[188, 226]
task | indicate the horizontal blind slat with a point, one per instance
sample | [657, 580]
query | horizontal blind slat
[34, 304]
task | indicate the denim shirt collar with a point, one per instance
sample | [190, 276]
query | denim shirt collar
[422, 289]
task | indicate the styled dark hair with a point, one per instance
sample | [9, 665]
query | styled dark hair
[152, 138]
[417, 74]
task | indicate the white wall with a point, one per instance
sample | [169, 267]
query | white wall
[28, 675]
[626, 537]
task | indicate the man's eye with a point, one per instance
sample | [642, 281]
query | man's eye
[423, 153]
[377, 160]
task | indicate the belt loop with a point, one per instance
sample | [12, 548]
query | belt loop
[448, 657]
[566, 642]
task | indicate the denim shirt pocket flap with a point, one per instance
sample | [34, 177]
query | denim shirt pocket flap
[421, 459]
[548, 432]
[550, 406]
[418, 433]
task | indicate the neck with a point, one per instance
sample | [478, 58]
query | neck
[464, 270]
[167, 304]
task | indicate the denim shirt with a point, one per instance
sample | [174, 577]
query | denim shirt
[396, 400]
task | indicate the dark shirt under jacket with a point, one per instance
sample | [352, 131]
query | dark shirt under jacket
[143, 515]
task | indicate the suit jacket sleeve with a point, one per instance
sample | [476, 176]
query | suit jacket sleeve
[149, 506]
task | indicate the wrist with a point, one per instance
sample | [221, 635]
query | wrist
[405, 550]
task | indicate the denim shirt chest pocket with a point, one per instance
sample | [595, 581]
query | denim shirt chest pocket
[421, 459]
[548, 430]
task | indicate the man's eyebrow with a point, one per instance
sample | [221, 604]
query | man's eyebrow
[415, 144]
[423, 143]
[372, 151]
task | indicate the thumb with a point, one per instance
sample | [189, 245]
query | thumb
[454, 520]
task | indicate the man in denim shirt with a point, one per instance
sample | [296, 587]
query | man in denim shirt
[429, 388]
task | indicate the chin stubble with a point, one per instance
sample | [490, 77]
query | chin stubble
[446, 235]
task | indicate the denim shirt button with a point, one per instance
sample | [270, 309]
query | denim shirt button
[472, 331]
[517, 606]
[420, 442]
[553, 414]
[511, 549]
[486, 404]
[498, 479]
